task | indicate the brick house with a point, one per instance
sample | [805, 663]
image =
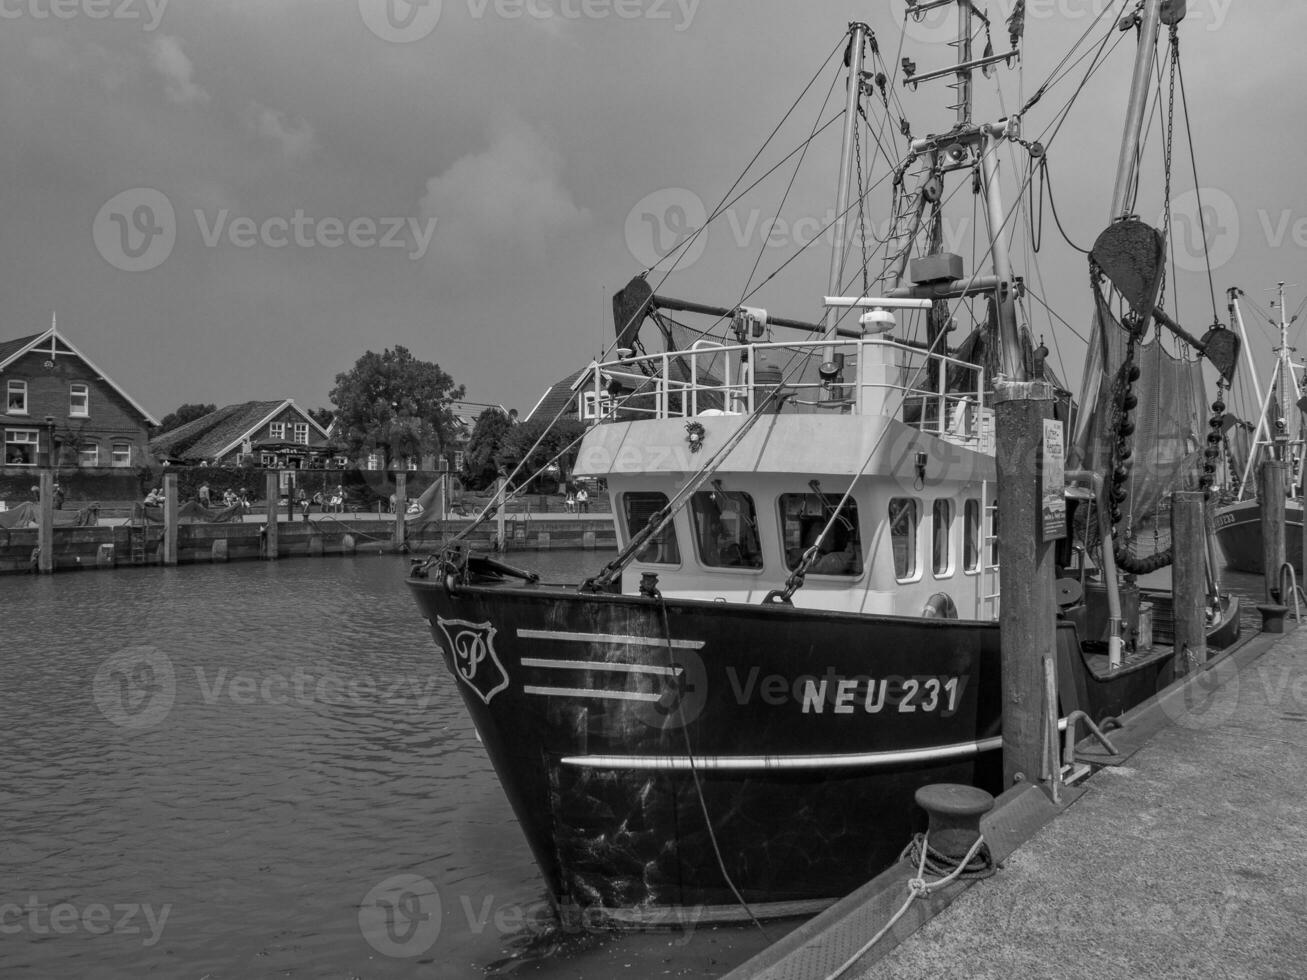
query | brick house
[574, 398]
[62, 410]
[272, 433]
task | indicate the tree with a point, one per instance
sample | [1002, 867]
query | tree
[481, 457]
[322, 416]
[563, 437]
[185, 413]
[395, 404]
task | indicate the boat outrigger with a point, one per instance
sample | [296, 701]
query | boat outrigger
[801, 626]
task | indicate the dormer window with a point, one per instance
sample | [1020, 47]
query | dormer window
[302, 433]
[16, 402]
[277, 430]
[79, 400]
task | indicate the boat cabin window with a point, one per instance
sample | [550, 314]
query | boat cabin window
[804, 516]
[971, 537]
[904, 516]
[726, 529]
[638, 508]
[941, 531]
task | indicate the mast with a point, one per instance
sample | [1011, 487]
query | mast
[1128, 163]
[985, 141]
[857, 41]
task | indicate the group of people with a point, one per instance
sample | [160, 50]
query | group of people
[577, 500]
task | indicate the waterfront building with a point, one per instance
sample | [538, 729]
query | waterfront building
[257, 433]
[61, 409]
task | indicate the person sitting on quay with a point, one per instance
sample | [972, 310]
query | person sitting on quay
[569, 504]
[583, 500]
[154, 498]
[206, 498]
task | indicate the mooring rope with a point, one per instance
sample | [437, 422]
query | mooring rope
[928, 859]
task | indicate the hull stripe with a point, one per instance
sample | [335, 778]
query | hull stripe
[856, 760]
[853, 760]
[578, 692]
[635, 641]
[586, 665]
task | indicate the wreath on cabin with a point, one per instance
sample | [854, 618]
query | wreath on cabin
[694, 433]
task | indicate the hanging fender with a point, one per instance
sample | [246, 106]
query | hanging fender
[939, 606]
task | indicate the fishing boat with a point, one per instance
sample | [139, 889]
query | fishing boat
[1278, 434]
[730, 718]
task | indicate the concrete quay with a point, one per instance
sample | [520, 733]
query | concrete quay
[1186, 856]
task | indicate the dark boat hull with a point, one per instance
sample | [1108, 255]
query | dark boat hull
[1239, 533]
[766, 749]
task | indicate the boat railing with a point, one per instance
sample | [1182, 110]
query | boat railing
[873, 376]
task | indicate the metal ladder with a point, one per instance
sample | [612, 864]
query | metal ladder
[989, 592]
[137, 538]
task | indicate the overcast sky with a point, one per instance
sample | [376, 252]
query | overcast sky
[490, 171]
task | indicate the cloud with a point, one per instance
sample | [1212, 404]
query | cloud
[170, 61]
[511, 195]
[295, 139]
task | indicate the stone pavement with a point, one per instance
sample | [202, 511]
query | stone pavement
[1190, 860]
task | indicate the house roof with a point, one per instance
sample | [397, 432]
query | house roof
[218, 433]
[12, 350]
[557, 397]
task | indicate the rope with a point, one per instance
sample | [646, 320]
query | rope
[973, 867]
[361, 534]
[698, 786]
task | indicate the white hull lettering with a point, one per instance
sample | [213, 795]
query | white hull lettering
[906, 695]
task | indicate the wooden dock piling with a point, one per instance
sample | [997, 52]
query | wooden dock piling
[170, 518]
[401, 505]
[1189, 579]
[45, 527]
[1271, 492]
[1027, 620]
[273, 491]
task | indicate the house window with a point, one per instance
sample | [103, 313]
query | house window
[596, 405]
[726, 529]
[122, 454]
[20, 447]
[340, 462]
[17, 401]
[903, 518]
[88, 454]
[267, 459]
[79, 400]
[277, 430]
[941, 520]
[639, 508]
[803, 518]
[302, 433]
[971, 537]
[374, 461]
[458, 460]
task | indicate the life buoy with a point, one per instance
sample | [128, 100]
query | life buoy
[939, 606]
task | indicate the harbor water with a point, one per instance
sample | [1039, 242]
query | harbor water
[263, 769]
[226, 771]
